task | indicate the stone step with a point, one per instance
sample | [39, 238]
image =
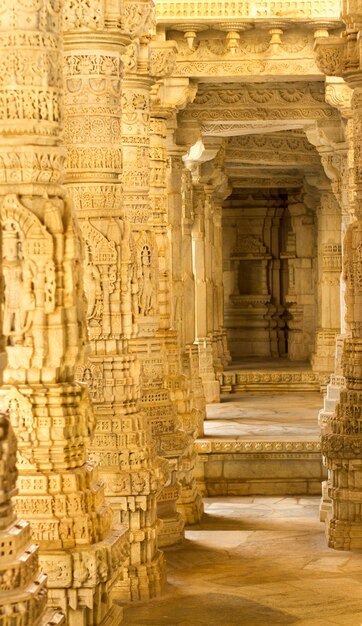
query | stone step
[230, 467]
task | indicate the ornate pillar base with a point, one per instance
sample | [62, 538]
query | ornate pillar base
[190, 504]
[23, 593]
[143, 581]
[325, 506]
[172, 522]
[192, 370]
[207, 373]
[331, 399]
[160, 383]
[344, 520]
[342, 448]
[81, 550]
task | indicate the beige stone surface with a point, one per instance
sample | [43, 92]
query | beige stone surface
[180, 184]
[261, 444]
[223, 573]
[275, 417]
[23, 592]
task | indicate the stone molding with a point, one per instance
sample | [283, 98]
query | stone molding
[203, 446]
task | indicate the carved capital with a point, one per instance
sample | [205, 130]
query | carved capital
[162, 58]
[330, 55]
[138, 17]
[339, 95]
[83, 15]
[172, 94]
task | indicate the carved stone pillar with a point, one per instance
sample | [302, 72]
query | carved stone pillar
[44, 327]
[203, 302]
[179, 189]
[300, 300]
[122, 443]
[342, 437]
[251, 274]
[177, 447]
[329, 269]
[163, 375]
[23, 588]
[188, 397]
[220, 334]
[335, 145]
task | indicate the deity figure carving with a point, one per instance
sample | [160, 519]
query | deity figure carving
[93, 291]
[19, 299]
[146, 295]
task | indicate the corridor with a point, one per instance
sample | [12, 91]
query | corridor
[181, 219]
[256, 561]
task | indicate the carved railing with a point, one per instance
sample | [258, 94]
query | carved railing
[173, 10]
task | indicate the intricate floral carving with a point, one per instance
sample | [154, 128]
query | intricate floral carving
[162, 58]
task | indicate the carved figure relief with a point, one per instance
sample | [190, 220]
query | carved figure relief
[146, 292]
[99, 278]
[19, 299]
[29, 275]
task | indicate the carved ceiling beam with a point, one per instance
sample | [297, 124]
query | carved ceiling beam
[230, 129]
[266, 181]
[298, 102]
[277, 49]
[275, 149]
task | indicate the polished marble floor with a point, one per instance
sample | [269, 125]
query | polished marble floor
[257, 561]
[271, 416]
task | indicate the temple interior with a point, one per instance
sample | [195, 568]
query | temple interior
[181, 313]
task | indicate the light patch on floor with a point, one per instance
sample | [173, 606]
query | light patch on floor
[259, 561]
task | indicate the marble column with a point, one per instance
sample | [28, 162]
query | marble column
[342, 437]
[168, 95]
[203, 296]
[122, 443]
[329, 270]
[341, 443]
[179, 187]
[167, 424]
[60, 492]
[338, 162]
[220, 334]
[300, 298]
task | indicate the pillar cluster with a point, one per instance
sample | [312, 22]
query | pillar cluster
[44, 330]
[341, 430]
[149, 233]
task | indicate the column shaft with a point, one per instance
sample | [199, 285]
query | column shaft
[122, 442]
[44, 327]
